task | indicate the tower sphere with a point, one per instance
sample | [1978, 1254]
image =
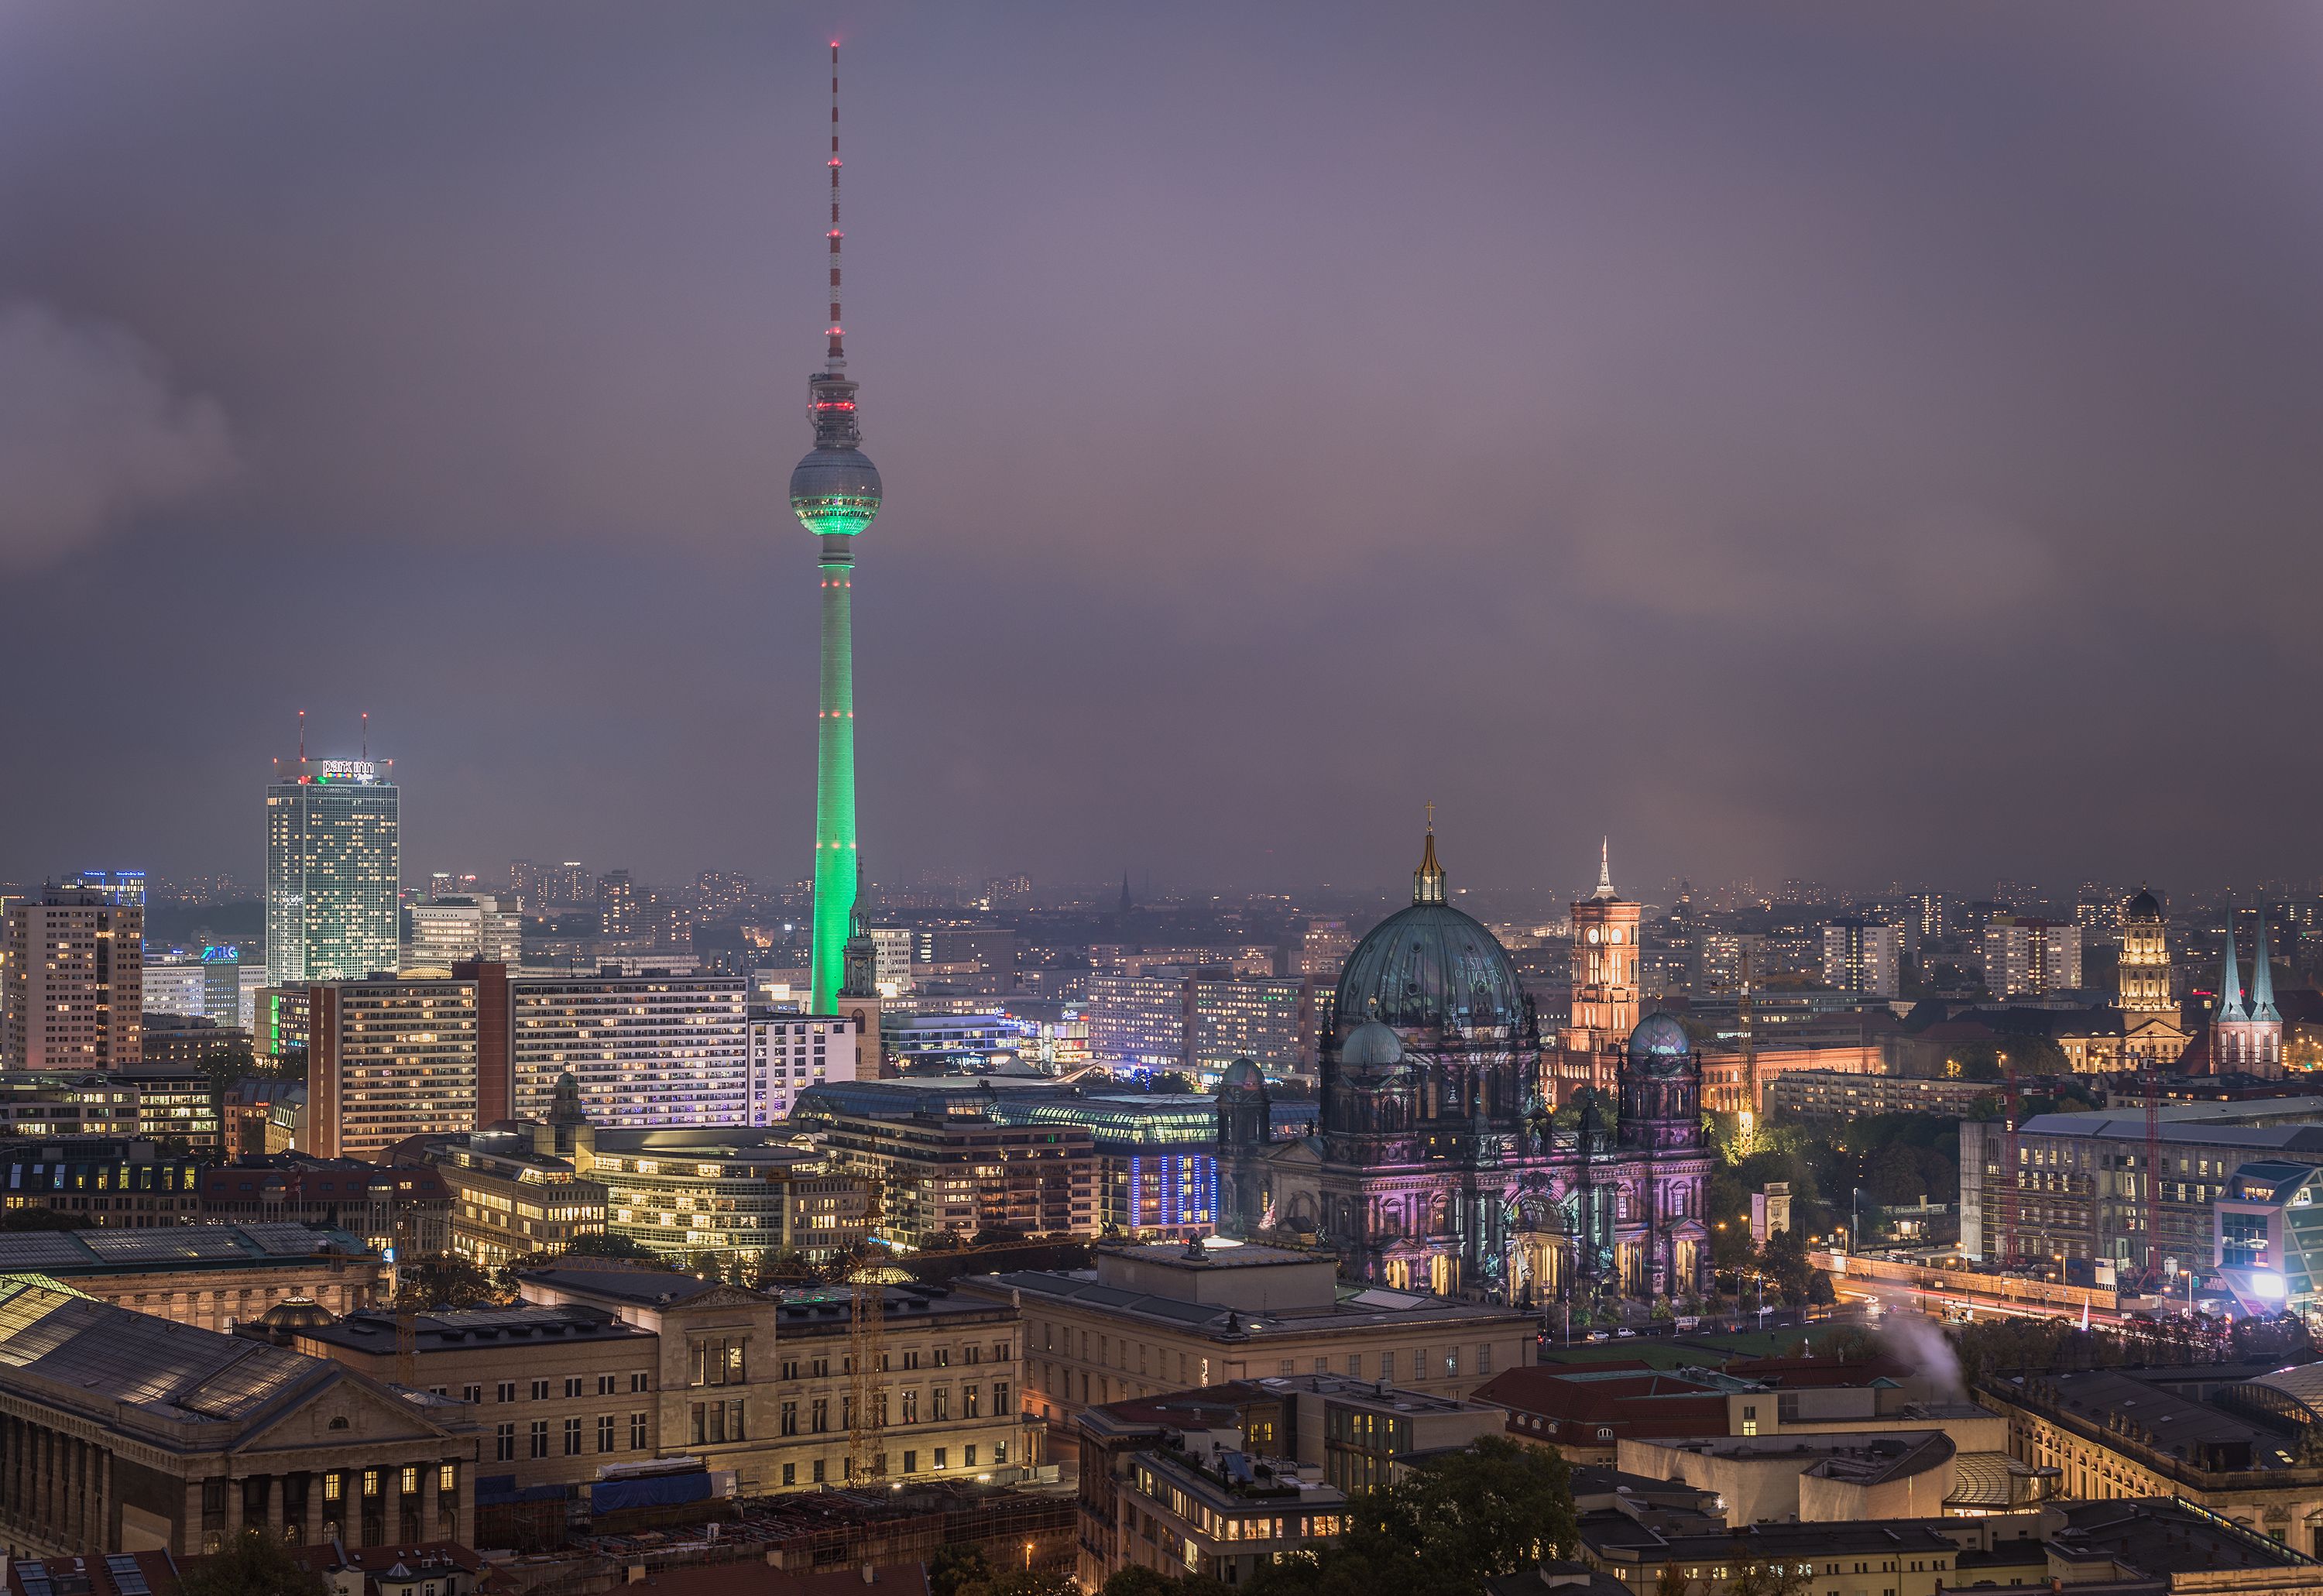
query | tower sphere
[835, 491]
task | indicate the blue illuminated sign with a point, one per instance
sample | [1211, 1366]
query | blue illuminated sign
[229, 954]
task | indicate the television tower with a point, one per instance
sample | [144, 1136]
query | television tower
[834, 494]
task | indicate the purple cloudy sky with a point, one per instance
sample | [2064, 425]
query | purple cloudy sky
[1856, 442]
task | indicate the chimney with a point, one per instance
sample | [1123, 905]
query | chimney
[870, 1575]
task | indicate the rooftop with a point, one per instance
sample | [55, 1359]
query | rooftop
[1859, 1458]
[1350, 1310]
[2139, 1415]
[461, 1329]
[101, 1356]
[2288, 1125]
[77, 1253]
[1616, 1537]
[804, 1310]
[2160, 1536]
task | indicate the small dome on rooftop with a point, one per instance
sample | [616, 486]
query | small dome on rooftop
[1241, 1076]
[1659, 1040]
[297, 1313]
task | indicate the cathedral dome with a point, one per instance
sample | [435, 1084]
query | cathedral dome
[2143, 906]
[1659, 1045]
[1241, 1079]
[1370, 1045]
[1428, 965]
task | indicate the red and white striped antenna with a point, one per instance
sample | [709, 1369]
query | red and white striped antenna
[836, 358]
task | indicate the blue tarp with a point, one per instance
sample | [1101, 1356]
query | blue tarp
[652, 1491]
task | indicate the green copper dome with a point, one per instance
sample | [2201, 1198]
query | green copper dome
[1428, 965]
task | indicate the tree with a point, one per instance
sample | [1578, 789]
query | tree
[1819, 1289]
[1023, 1582]
[1138, 1581]
[954, 1566]
[443, 1281]
[36, 1219]
[1850, 1343]
[606, 1244]
[1450, 1524]
[965, 1571]
[1672, 1581]
[254, 1564]
[1754, 1577]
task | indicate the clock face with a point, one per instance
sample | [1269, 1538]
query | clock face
[1592, 934]
[1613, 933]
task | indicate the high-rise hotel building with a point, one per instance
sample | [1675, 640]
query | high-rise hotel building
[332, 859]
[73, 982]
[387, 1060]
[645, 1049]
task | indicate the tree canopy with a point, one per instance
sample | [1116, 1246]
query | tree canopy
[1446, 1527]
[253, 1565]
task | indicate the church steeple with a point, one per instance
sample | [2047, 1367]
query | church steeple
[2262, 996]
[1605, 869]
[1427, 881]
[2230, 977]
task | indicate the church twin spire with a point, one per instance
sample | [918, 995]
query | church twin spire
[2260, 1003]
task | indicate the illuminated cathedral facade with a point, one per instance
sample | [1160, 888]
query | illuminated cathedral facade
[1435, 1164]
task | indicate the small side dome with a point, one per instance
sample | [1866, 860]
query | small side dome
[296, 1313]
[1241, 1079]
[1658, 1041]
[1371, 1046]
[2143, 906]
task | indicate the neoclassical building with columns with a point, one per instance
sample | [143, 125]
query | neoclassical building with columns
[1435, 1164]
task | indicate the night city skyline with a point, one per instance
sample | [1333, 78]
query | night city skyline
[1797, 443]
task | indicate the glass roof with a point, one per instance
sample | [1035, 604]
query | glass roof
[178, 1371]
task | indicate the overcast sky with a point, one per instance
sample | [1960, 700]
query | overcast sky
[1824, 440]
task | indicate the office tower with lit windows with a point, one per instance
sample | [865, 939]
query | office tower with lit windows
[2025, 957]
[648, 1050]
[617, 903]
[388, 1059]
[835, 493]
[126, 887]
[1862, 956]
[73, 982]
[791, 1053]
[461, 929]
[333, 859]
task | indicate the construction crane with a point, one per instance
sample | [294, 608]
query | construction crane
[1744, 1015]
[2151, 1075]
[2009, 1178]
[867, 1335]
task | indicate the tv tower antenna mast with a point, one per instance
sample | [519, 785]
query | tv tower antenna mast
[835, 492]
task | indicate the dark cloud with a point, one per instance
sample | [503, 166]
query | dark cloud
[1795, 439]
[91, 433]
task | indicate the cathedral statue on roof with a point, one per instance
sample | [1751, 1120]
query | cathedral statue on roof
[1435, 1164]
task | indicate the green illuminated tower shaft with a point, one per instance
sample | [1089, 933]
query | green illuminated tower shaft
[834, 778]
[834, 492]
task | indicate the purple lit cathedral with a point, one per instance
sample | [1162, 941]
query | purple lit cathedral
[1438, 1165]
